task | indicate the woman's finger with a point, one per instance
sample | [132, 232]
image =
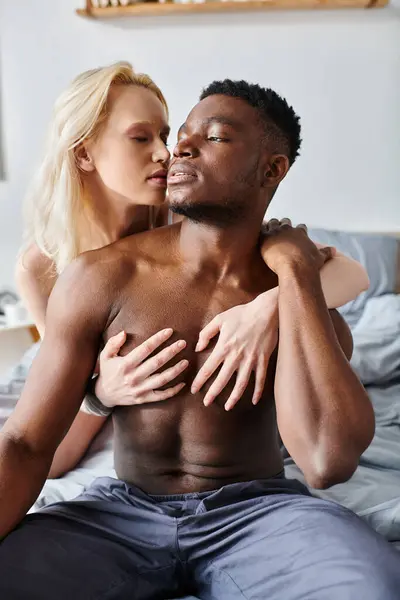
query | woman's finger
[153, 364]
[242, 381]
[210, 366]
[207, 333]
[139, 354]
[113, 345]
[161, 379]
[261, 374]
[160, 395]
[302, 226]
[286, 222]
[223, 377]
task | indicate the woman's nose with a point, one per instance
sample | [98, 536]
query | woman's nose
[162, 154]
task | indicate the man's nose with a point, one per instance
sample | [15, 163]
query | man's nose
[186, 148]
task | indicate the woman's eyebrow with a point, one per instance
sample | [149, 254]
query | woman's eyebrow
[165, 130]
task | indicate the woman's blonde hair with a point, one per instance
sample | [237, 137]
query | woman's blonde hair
[55, 206]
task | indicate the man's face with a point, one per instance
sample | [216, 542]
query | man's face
[216, 174]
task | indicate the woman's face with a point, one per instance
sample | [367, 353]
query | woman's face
[129, 157]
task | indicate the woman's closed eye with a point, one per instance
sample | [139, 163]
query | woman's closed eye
[143, 139]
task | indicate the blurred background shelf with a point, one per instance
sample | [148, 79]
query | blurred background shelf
[213, 6]
[14, 342]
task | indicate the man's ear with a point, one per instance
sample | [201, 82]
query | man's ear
[276, 170]
[84, 159]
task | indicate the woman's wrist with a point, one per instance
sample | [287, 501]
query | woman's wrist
[268, 298]
[92, 403]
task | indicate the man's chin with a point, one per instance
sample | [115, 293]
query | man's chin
[179, 201]
[177, 195]
[178, 208]
[209, 214]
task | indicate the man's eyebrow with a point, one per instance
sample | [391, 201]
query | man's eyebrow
[224, 121]
[238, 125]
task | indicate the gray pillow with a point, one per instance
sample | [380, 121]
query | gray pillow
[376, 356]
[377, 253]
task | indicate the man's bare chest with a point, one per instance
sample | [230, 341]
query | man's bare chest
[184, 304]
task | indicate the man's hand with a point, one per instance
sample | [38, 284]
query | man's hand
[285, 245]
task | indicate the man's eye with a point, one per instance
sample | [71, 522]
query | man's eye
[214, 138]
[140, 139]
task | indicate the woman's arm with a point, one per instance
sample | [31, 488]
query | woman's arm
[76, 443]
[248, 334]
[342, 279]
[35, 278]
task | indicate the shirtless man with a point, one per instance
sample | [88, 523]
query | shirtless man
[201, 504]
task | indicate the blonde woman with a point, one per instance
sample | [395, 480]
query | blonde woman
[103, 177]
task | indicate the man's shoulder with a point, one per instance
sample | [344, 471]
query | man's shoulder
[117, 263]
[149, 246]
[84, 294]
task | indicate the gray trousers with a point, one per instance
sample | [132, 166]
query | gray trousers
[266, 539]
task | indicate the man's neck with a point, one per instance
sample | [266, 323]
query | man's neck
[224, 251]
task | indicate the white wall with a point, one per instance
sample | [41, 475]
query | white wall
[340, 70]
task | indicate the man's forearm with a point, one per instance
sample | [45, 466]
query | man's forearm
[324, 415]
[22, 475]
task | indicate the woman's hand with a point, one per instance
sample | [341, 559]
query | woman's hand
[131, 379]
[248, 335]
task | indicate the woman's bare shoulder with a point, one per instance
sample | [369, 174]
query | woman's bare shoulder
[33, 259]
[32, 264]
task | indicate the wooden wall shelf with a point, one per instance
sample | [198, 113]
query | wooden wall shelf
[214, 6]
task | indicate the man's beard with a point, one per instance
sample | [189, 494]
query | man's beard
[227, 213]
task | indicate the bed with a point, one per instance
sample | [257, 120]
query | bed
[374, 317]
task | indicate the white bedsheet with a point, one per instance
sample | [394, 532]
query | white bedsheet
[98, 462]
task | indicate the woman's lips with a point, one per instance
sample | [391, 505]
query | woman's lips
[158, 181]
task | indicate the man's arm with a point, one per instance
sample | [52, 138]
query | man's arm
[76, 317]
[325, 418]
[342, 277]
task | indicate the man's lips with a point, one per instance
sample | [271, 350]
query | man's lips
[181, 173]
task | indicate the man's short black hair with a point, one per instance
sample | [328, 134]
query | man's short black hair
[281, 122]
